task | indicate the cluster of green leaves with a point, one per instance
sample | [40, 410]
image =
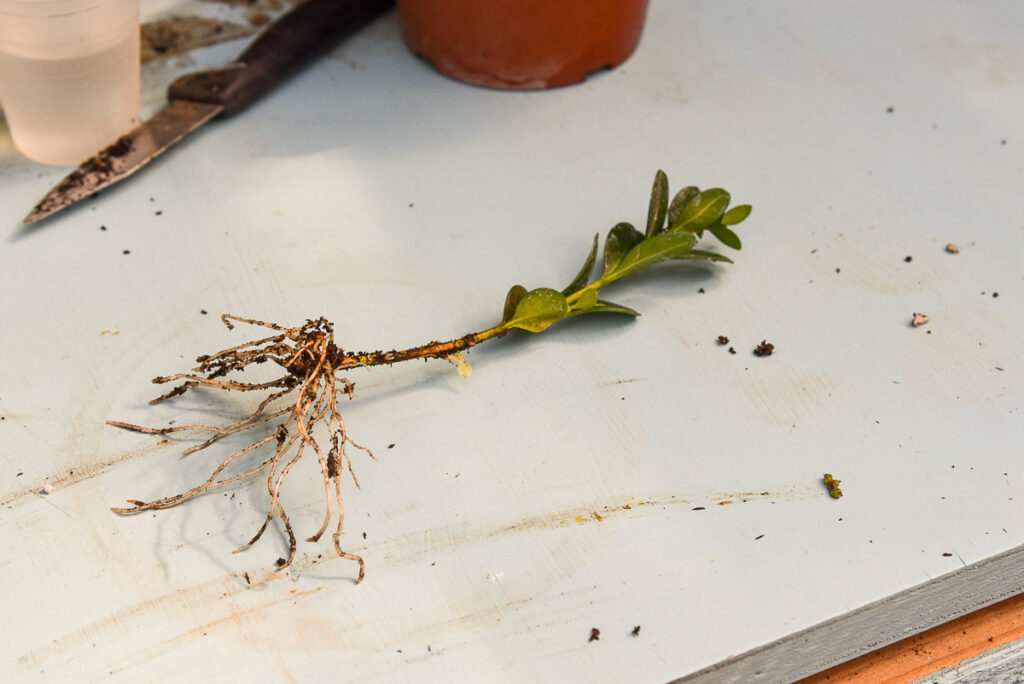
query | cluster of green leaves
[673, 229]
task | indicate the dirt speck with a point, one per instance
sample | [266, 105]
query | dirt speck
[595, 634]
[764, 349]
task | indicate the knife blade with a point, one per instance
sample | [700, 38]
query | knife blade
[196, 98]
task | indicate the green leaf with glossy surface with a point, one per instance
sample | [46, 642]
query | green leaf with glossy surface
[658, 208]
[580, 281]
[702, 211]
[702, 255]
[655, 250]
[538, 309]
[682, 198]
[512, 301]
[601, 306]
[736, 214]
[728, 238]
[621, 238]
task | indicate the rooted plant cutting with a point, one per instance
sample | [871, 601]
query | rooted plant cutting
[306, 395]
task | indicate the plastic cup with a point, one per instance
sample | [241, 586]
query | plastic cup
[69, 75]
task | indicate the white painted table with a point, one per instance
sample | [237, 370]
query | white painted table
[506, 521]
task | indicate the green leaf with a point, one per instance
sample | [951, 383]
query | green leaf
[655, 250]
[512, 301]
[538, 309]
[601, 306]
[658, 209]
[682, 198]
[701, 212]
[701, 255]
[735, 215]
[586, 300]
[580, 281]
[621, 238]
[728, 238]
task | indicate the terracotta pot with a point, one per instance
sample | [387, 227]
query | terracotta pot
[522, 44]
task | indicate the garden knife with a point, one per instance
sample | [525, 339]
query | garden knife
[199, 97]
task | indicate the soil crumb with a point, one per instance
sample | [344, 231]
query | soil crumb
[262, 5]
[832, 484]
[179, 35]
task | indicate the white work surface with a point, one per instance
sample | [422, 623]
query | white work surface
[608, 473]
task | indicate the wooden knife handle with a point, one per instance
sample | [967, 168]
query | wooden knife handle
[286, 45]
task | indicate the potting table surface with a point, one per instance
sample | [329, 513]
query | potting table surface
[628, 476]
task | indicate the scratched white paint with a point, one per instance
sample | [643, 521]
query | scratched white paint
[606, 474]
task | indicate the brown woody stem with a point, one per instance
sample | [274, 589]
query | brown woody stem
[430, 350]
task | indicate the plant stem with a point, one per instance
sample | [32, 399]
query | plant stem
[430, 350]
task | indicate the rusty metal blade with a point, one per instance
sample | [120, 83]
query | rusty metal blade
[127, 155]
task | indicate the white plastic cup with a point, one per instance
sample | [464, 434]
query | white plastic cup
[69, 75]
